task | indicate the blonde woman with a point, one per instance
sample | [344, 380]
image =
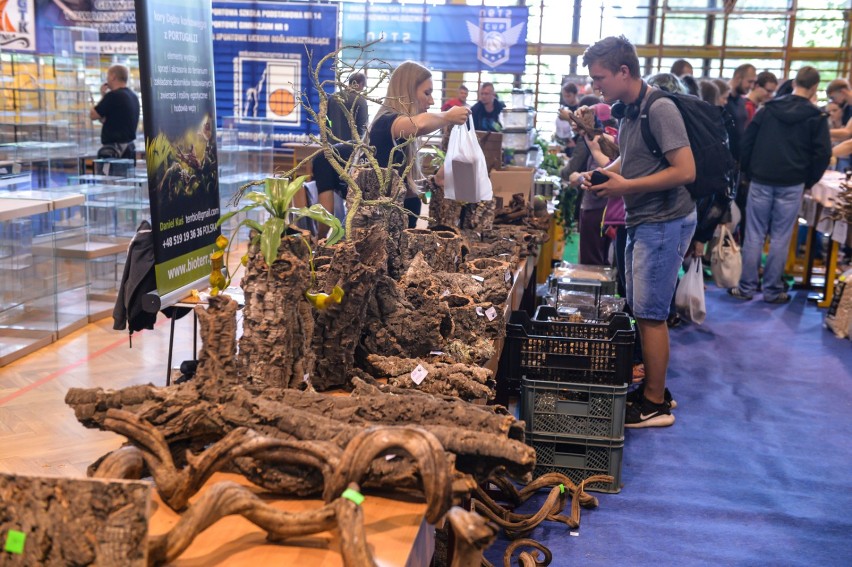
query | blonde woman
[404, 115]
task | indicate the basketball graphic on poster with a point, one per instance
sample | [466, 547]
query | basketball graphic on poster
[281, 102]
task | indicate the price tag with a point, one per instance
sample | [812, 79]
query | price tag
[106, 168]
[561, 489]
[436, 353]
[480, 279]
[353, 495]
[15, 541]
[480, 312]
[390, 457]
[418, 374]
[491, 313]
[445, 293]
[508, 276]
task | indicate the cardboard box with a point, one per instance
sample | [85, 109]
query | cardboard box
[510, 180]
[492, 147]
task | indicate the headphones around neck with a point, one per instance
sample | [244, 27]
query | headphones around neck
[620, 110]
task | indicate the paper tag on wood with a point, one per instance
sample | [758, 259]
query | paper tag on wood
[480, 279]
[106, 168]
[508, 276]
[418, 374]
[436, 353]
[480, 312]
[445, 293]
[491, 313]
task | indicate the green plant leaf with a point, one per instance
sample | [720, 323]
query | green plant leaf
[270, 238]
[318, 213]
[290, 192]
[230, 214]
[253, 224]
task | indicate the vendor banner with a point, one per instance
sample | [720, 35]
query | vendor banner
[17, 25]
[114, 20]
[263, 53]
[179, 108]
[447, 37]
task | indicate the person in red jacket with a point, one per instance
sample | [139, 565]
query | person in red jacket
[460, 100]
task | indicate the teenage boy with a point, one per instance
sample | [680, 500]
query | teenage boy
[660, 213]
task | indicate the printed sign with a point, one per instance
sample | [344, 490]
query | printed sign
[262, 53]
[446, 37]
[17, 25]
[176, 56]
[114, 20]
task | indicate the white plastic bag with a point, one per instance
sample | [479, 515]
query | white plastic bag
[689, 298]
[726, 263]
[465, 171]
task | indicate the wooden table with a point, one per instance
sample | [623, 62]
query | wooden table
[397, 534]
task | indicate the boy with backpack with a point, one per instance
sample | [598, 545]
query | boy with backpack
[660, 212]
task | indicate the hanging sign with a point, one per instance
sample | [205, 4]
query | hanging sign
[446, 37]
[179, 109]
[263, 52]
[114, 20]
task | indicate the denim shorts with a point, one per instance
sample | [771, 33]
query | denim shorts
[653, 259]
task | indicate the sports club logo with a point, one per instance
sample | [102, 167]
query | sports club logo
[268, 90]
[17, 25]
[494, 36]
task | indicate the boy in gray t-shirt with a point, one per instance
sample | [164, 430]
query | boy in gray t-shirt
[660, 213]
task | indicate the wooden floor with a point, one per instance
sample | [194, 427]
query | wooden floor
[38, 432]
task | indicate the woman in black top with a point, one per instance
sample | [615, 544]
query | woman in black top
[402, 116]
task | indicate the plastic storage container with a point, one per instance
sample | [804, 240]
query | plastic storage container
[586, 353]
[578, 458]
[518, 139]
[586, 410]
[517, 118]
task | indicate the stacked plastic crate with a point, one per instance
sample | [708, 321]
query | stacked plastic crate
[574, 379]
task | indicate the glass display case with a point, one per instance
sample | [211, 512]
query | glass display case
[42, 297]
[245, 154]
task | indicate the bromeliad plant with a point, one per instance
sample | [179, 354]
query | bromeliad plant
[276, 199]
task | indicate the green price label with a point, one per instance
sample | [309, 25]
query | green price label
[15, 541]
[561, 489]
[353, 495]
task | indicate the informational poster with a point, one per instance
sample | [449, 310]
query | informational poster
[176, 67]
[446, 37]
[17, 25]
[263, 52]
[114, 20]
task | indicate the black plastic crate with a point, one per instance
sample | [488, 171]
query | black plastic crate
[557, 351]
[578, 458]
[584, 410]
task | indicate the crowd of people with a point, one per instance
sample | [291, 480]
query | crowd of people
[639, 214]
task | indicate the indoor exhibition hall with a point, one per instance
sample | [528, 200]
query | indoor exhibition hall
[425, 283]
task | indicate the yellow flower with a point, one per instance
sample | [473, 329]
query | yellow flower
[221, 242]
[244, 259]
[217, 280]
[322, 300]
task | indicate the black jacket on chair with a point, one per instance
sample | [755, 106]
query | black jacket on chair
[138, 279]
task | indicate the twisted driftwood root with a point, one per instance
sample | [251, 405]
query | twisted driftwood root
[278, 325]
[518, 525]
[228, 498]
[421, 445]
[127, 463]
[189, 421]
[176, 486]
[473, 535]
[527, 558]
[460, 380]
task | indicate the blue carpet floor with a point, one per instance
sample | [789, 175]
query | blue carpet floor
[757, 469]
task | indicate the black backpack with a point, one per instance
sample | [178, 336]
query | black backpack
[715, 169]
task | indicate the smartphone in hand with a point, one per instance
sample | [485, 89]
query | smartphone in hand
[597, 178]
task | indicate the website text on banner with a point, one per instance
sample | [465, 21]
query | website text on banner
[179, 108]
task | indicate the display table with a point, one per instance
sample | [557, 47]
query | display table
[823, 196]
[396, 533]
